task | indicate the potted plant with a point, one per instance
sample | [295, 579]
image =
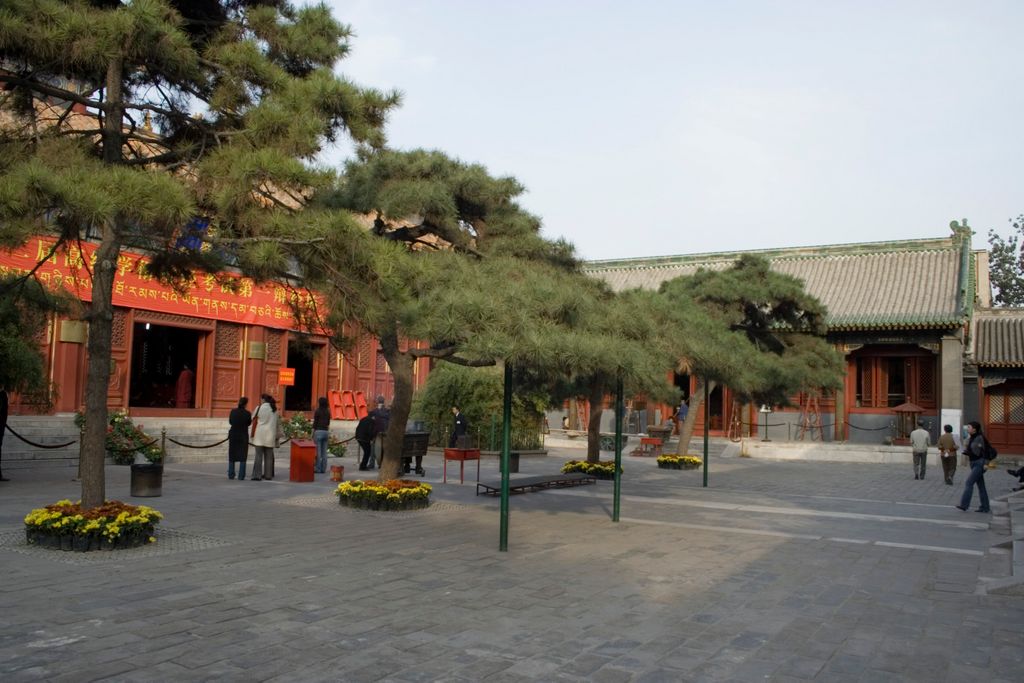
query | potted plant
[66, 526]
[605, 469]
[679, 462]
[394, 494]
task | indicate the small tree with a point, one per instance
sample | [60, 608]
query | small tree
[25, 309]
[1006, 264]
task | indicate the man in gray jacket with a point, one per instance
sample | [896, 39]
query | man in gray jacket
[919, 442]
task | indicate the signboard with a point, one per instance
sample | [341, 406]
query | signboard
[286, 377]
[224, 296]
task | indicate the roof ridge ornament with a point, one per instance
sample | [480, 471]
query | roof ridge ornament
[961, 231]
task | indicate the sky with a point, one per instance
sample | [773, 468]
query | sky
[653, 128]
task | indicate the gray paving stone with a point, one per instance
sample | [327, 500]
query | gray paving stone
[286, 591]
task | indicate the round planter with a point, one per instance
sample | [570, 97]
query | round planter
[147, 480]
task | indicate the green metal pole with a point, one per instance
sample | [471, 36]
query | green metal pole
[494, 429]
[619, 410]
[506, 447]
[707, 427]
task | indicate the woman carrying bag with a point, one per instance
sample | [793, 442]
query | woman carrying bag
[265, 425]
[978, 450]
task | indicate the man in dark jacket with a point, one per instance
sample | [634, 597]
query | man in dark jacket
[365, 433]
[460, 426]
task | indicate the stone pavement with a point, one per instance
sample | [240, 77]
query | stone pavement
[779, 571]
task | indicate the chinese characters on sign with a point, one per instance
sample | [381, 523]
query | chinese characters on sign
[223, 297]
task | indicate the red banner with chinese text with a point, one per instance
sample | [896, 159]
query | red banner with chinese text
[226, 297]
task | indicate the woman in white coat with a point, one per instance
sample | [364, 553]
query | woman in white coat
[265, 424]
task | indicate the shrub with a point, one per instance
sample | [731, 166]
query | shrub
[125, 439]
[335, 447]
[394, 494]
[298, 426]
[114, 524]
[679, 462]
[604, 469]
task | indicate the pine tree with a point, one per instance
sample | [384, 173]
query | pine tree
[240, 96]
[752, 329]
[451, 260]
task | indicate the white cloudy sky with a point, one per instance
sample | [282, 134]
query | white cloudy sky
[649, 127]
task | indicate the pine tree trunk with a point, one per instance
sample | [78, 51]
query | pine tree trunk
[596, 398]
[402, 370]
[696, 404]
[101, 314]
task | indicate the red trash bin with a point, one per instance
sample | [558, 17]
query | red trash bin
[303, 455]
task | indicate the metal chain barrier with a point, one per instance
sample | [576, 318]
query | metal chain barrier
[40, 445]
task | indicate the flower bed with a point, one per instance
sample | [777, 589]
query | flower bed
[394, 494]
[65, 525]
[125, 439]
[604, 469]
[679, 462]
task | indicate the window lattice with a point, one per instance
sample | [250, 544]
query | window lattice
[1015, 404]
[119, 329]
[997, 408]
[275, 339]
[229, 340]
[926, 380]
[363, 361]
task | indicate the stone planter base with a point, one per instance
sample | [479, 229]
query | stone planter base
[82, 544]
[383, 504]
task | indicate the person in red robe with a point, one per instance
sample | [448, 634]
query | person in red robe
[183, 395]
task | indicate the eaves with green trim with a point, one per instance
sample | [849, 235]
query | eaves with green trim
[910, 284]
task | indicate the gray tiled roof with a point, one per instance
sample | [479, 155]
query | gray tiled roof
[999, 339]
[869, 286]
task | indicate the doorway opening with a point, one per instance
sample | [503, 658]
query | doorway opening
[163, 366]
[716, 409]
[682, 382]
[299, 396]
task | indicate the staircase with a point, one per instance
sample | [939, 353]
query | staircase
[43, 430]
[57, 429]
[1003, 565]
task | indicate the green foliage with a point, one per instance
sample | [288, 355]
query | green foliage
[125, 438]
[479, 393]
[25, 308]
[298, 426]
[243, 96]
[335, 447]
[753, 329]
[1006, 264]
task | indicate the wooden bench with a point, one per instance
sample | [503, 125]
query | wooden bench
[528, 484]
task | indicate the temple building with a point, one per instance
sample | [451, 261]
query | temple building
[192, 353]
[903, 314]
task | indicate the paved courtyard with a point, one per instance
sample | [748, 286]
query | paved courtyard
[779, 571]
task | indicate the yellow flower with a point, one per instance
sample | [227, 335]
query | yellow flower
[152, 539]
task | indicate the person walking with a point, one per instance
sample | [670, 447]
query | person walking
[460, 425]
[381, 419]
[919, 442]
[321, 434]
[364, 437]
[265, 423]
[976, 450]
[238, 438]
[947, 454]
[681, 414]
